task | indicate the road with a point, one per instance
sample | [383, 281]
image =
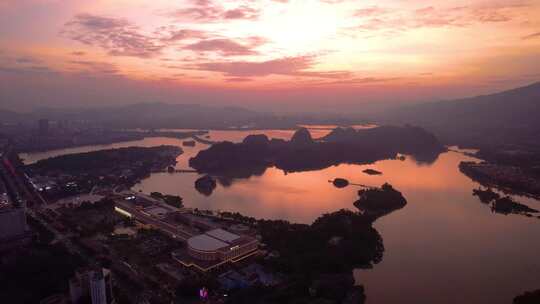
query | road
[174, 231]
[20, 181]
[203, 141]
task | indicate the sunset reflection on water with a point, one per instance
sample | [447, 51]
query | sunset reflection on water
[444, 244]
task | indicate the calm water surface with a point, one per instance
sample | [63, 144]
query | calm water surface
[443, 247]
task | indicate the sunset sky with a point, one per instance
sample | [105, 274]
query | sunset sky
[263, 53]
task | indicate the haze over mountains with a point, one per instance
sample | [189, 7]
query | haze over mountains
[509, 117]
[164, 115]
[506, 117]
[144, 115]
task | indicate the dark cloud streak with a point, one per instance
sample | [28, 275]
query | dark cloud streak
[227, 47]
[117, 36]
[532, 36]
[210, 11]
[391, 20]
[288, 66]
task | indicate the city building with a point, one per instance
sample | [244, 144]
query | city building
[13, 227]
[91, 286]
[204, 252]
[43, 125]
[4, 142]
[98, 290]
[12, 221]
[214, 248]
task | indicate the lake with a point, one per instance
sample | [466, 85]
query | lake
[443, 247]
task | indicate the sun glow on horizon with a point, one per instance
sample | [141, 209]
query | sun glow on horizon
[374, 47]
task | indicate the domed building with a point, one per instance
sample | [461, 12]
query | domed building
[216, 247]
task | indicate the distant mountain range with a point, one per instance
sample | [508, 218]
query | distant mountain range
[509, 117]
[145, 115]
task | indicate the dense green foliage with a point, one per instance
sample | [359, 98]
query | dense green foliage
[172, 200]
[308, 250]
[237, 217]
[90, 219]
[35, 273]
[513, 179]
[257, 152]
[504, 205]
[379, 201]
[43, 235]
[486, 196]
[529, 297]
[317, 259]
[509, 117]
[105, 159]
[507, 205]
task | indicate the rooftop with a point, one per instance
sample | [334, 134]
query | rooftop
[223, 235]
[205, 242]
[157, 210]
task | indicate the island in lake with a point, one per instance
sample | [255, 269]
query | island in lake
[205, 185]
[302, 153]
[372, 172]
[503, 205]
[379, 201]
[340, 182]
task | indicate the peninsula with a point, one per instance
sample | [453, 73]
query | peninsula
[79, 173]
[513, 169]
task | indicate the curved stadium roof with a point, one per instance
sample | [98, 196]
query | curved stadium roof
[204, 242]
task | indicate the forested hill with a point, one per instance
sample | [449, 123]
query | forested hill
[502, 118]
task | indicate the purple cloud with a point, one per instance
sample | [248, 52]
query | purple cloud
[177, 35]
[370, 11]
[209, 11]
[33, 69]
[117, 36]
[96, 67]
[227, 47]
[27, 60]
[242, 12]
[238, 79]
[383, 19]
[288, 66]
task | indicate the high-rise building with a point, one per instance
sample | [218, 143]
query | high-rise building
[98, 291]
[94, 285]
[43, 126]
[63, 124]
